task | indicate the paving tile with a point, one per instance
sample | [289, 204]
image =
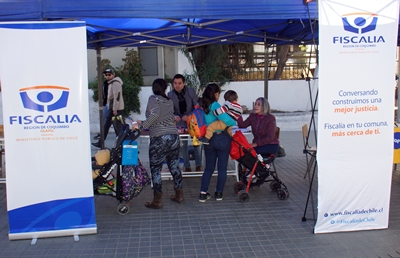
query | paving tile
[262, 227]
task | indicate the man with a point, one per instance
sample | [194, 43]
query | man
[184, 100]
[115, 102]
[105, 107]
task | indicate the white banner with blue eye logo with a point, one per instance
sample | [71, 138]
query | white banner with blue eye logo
[357, 65]
[43, 73]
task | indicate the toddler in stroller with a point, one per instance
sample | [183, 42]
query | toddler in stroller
[253, 169]
[111, 177]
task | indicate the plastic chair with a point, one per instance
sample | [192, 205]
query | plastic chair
[310, 151]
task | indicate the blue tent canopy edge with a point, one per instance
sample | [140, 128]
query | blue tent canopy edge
[176, 23]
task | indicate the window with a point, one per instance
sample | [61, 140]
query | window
[148, 58]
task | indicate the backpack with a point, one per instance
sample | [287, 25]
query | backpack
[196, 123]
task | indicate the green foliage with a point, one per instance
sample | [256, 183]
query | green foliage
[207, 63]
[131, 74]
[93, 85]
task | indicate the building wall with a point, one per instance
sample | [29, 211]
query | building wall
[285, 96]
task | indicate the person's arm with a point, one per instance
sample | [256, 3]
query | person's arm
[193, 99]
[117, 94]
[224, 117]
[154, 113]
[244, 124]
[174, 99]
[220, 110]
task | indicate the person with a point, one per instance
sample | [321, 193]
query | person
[232, 108]
[263, 127]
[217, 151]
[164, 142]
[184, 99]
[115, 102]
[105, 106]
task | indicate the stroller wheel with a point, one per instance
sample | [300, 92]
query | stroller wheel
[238, 186]
[282, 195]
[243, 196]
[123, 209]
[274, 185]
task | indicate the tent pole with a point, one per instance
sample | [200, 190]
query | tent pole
[266, 72]
[398, 88]
[100, 92]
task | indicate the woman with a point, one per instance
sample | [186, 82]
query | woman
[164, 142]
[263, 126]
[219, 145]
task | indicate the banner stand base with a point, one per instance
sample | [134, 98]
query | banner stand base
[55, 233]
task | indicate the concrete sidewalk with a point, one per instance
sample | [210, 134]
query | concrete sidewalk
[262, 227]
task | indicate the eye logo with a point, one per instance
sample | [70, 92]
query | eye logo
[40, 98]
[396, 140]
[357, 22]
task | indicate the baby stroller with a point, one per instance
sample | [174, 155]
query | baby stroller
[112, 177]
[254, 169]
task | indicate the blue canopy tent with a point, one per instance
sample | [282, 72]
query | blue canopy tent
[190, 23]
[176, 23]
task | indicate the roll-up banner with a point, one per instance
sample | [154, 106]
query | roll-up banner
[43, 73]
[357, 66]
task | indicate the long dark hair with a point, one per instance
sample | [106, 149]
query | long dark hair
[159, 86]
[208, 96]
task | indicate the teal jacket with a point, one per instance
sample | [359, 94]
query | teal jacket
[227, 119]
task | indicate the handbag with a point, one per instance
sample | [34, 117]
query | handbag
[134, 179]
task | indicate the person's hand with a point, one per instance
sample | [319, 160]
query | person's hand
[253, 145]
[115, 112]
[185, 118]
[135, 125]
[177, 118]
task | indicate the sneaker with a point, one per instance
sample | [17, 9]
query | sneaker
[97, 136]
[204, 197]
[97, 145]
[218, 196]
[188, 170]
[198, 168]
[204, 141]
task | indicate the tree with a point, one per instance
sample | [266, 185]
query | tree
[283, 54]
[207, 63]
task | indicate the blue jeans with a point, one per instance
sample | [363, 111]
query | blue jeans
[105, 110]
[108, 122]
[217, 150]
[267, 149]
[185, 154]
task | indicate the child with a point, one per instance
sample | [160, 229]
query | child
[230, 107]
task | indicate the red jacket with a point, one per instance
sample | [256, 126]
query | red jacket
[262, 126]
